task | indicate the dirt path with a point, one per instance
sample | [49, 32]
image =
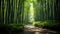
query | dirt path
[29, 29]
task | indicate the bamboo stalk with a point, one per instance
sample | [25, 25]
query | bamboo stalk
[1, 10]
[5, 11]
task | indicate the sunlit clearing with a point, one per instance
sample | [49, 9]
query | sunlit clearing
[29, 26]
[31, 13]
[31, 9]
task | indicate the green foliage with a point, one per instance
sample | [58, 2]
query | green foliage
[12, 27]
[18, 26]
[47, 23]
[40, 24]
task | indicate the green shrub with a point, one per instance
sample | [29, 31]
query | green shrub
[11, 27]
[47, 24]
[39, 24]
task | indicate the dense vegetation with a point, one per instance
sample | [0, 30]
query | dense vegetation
[49, 24]
[40, 13]
[11, 28]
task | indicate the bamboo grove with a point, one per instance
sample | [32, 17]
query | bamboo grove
[45, 10]
[18, 11]
[11, 11]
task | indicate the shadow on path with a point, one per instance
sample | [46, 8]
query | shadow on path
[30, 29]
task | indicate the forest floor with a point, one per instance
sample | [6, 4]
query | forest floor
[30, 29]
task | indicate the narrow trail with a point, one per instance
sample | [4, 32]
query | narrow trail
[30, 29]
